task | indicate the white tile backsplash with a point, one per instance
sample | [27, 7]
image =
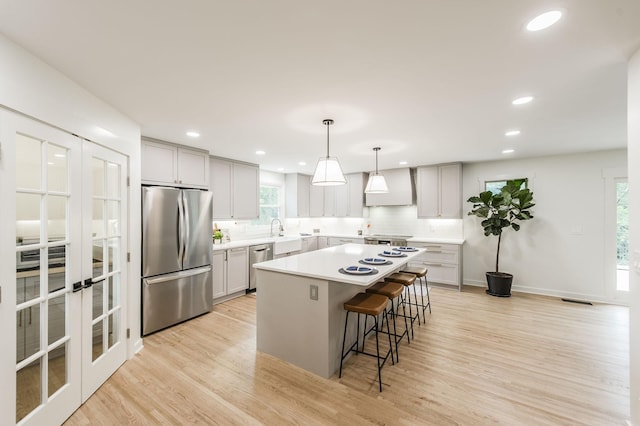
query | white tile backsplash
[403, 220]
[400, 220]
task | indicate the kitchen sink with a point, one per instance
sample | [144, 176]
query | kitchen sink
[286, 244]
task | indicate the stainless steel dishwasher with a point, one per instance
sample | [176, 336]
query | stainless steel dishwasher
[258, 253]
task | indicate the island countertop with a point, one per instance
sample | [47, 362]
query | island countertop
[325, 263]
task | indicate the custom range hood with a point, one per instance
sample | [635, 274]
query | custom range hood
[402, 192]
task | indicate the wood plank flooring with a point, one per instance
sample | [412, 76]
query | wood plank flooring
[478, 360]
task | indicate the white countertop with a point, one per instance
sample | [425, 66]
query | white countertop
[264, 240]
[325, 264]
[458, 241]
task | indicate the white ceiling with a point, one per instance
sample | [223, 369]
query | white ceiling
[429, 81]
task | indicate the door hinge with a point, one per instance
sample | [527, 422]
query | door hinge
[128, 333]
[128, 256]
[128, 181]
[0, 294]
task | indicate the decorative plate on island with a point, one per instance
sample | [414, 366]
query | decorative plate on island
[357, 270]
[405, 249]
[391, 253]
[374, 261]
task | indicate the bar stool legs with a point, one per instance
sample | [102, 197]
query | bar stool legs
[371, 305]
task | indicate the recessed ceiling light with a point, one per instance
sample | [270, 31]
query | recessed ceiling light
[545, 20]
[302, 163]
[192, 134]
[403, 163]
[512, 133]
[59, 155]
[522, 100]
[508, 151]
[51, 163]
[280, 169]
[260, 152]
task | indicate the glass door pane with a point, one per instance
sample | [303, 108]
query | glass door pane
[43, 283]
[105, 208]
[622, 235]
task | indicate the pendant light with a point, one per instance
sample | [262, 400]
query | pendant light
[328, 171]
[376, 183]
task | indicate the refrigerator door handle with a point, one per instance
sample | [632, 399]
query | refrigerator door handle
[181, 230]
[174, 276]
[186, 229]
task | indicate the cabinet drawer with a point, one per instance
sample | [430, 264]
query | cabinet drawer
[439, 253]
[441, 272]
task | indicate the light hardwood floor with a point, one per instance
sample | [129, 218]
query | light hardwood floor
[478, 360]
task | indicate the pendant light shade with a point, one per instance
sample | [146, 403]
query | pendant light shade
[376, 184]
[328, 171]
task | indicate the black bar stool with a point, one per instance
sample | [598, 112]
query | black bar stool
[407, 280]
[421, 273]
[393, 291]
[373, 305]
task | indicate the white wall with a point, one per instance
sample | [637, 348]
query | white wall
[634, 232]
[561, 251]
[33, 88]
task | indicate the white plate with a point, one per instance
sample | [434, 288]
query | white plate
[391, 254]
[405, 249]
[357, 270]
[374, 261]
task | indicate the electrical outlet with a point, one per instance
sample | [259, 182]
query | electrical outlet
[313, 292]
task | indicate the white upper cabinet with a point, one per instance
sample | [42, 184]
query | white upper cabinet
[400, 193]
[297, 195]
[316, 201]
[439, 191]
[173, 165]
[235, 188]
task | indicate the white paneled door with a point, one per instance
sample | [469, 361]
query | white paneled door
[62, 245]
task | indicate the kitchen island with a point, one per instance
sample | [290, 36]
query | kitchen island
[300, 315]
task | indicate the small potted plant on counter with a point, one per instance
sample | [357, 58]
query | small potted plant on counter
[499, 211]
[217, 236]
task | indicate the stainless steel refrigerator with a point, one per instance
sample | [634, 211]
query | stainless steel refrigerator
[176, 256]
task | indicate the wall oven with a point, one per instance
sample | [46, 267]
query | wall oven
[30, 259]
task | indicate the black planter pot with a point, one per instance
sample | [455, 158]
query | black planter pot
[499, 284]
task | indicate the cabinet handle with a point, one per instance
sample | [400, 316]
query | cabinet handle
[29, 315]
[433, 264]
[77, 286]
[20, 319]
[434, 251]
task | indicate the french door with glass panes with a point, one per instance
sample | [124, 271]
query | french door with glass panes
[70, 218]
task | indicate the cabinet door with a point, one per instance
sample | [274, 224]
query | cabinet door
[220, 172]
[312, 244]
[427, 192]
[246, 183]
[297, 195]
[341, 198]
[316, 201]
[323, 242]
[329, 201]
[219, 266]
[193, 168]
[355, 194]
[450, 191]
[237, 270]
[159, 163]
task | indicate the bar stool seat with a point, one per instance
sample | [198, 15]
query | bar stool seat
[421, 273]
[369, 304]
[407, 280]
[392, 291]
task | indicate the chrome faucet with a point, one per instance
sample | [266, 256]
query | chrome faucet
[280, 229]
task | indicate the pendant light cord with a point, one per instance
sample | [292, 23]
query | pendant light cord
[328, 123]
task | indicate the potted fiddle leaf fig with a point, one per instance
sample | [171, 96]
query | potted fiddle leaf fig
[500, 211]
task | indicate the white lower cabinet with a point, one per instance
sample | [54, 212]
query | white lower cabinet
[442, 262]
[309, 244]
[230, 272]
[323, 242]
